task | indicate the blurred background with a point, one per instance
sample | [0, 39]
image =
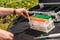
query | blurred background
[6, 20]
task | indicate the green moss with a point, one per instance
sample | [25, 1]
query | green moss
[18, 3]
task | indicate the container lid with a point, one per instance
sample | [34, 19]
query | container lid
[41, 15]
[48, 1]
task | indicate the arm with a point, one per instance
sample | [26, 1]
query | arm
[6, 11]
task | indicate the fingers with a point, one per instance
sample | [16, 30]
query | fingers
[6, 38]
[22, 12]
[9, 38]
[11, 35]
[25, 13]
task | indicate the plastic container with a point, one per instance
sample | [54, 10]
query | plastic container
[41, 22]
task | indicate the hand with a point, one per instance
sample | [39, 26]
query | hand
[22, 12]
[4, 35]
